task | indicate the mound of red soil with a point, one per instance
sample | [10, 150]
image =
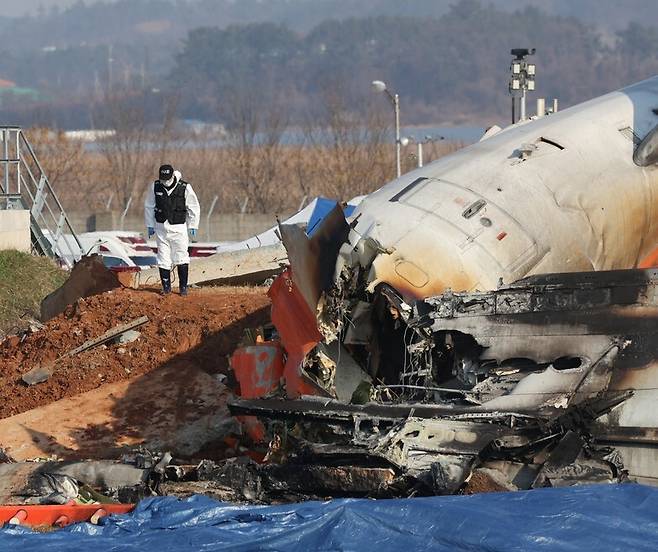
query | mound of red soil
[203, 328]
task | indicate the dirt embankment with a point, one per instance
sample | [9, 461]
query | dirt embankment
[201, 329]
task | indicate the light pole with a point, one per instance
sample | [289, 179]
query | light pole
[380, 86]
[522, 79]
[427, 140]
[406, 140]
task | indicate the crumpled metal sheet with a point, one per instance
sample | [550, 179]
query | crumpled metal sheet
[569, 519]
[295, 322]
[312, 260]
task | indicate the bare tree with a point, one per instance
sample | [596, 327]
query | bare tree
[69, 168]
[204, 164]
[138, 139]
[255, 131]
[350, 147]
[343, 150]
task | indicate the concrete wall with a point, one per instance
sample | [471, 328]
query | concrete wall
[15, 229]
[222, 227]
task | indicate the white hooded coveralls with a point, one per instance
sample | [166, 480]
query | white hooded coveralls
[172, 239]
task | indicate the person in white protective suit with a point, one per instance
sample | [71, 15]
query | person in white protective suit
[171, 211]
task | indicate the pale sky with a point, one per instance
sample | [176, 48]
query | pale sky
[21, 7]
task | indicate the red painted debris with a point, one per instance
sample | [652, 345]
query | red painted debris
[262, 367]
[258, 369]
[299, 332]
[59, 515]
[651, 260]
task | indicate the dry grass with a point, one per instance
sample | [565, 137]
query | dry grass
[270, 178]
[24, 281]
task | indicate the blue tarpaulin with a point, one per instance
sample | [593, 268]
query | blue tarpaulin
[578, 519]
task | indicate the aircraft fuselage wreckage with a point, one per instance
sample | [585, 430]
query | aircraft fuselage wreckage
[491, 316]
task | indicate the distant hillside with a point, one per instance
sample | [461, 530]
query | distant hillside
[448, 62]
[304, 14]
[449, 69]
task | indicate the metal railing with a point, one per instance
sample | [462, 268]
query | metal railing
[24, 185]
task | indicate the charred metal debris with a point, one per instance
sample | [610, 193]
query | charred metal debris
[544, 382]
[529, 385]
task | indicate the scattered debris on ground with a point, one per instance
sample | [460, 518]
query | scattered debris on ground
[527, 386]
[317, 425]
[41, 373]
[317, 420]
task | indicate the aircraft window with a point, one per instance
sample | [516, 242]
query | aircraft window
[473, 208]
[407, 188]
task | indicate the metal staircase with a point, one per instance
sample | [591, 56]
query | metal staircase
[24, 185]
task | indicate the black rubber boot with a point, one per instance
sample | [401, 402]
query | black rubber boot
[182, 278]
[165, 277]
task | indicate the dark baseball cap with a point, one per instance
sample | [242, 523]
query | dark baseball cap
[166, 172]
